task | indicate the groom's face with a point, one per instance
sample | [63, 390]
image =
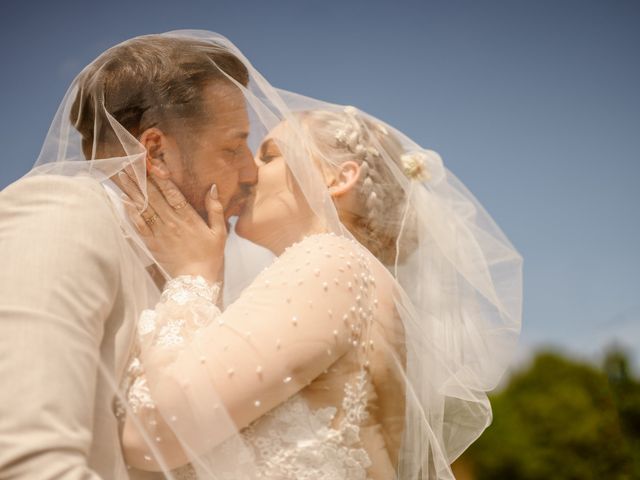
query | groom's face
[215, 151]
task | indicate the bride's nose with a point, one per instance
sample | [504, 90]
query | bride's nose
[257, 161]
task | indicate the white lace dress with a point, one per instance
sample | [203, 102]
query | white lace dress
[292, 440]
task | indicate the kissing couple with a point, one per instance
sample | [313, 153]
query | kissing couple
[207, 277]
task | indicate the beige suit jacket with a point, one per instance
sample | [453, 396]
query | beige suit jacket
[71, 289]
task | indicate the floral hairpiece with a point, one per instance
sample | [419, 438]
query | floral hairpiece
[350, 134]
[414, 165]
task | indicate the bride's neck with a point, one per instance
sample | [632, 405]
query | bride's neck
[292, 233]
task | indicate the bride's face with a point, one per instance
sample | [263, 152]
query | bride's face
[278, 210]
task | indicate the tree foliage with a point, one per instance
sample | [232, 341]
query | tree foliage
[563, 419]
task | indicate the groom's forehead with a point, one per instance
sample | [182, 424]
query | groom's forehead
[225, 105]
[221, 98]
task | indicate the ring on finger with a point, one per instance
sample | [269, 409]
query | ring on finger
[152, 219]
[180, 205]
[146, 214]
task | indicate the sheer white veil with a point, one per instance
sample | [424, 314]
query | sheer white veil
[457, 278]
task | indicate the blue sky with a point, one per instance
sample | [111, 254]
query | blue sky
[534, 105]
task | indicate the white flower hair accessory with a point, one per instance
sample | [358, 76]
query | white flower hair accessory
[414, 165]
[350, 134]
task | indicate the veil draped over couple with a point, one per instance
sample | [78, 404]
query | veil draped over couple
[208, 277]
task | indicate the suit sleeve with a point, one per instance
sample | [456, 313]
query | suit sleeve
[58, 281]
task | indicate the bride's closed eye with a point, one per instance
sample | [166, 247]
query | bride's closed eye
[269, 151]
[267, 158]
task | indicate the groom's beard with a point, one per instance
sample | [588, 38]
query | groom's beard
[238, 202]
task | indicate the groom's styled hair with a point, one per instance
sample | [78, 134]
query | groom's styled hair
[148, 81]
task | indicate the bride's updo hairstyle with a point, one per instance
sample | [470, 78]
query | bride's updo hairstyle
[376, 216]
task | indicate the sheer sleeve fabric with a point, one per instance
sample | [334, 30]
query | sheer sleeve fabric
[299, 316]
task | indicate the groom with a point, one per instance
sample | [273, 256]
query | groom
[68, 276]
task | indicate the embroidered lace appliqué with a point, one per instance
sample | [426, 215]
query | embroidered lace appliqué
[199, 296]
[292, 442]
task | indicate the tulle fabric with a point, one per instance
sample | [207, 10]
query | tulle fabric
[455, 283]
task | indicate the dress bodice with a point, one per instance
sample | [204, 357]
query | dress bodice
[307, 435]
[295, 441]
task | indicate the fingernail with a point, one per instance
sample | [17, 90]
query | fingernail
[214, 191]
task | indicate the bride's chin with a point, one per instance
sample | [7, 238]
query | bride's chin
[245, 227]
[241, 228]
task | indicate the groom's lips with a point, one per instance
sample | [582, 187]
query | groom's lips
[241, 204]
[237, 205]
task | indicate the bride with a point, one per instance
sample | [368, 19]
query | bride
[362, 351]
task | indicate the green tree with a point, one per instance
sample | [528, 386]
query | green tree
[558, 419]
[626, 395]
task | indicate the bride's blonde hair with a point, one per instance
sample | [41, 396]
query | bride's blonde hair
[376, 218]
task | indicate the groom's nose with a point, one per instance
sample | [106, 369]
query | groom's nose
[249, 171]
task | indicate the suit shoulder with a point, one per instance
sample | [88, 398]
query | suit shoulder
[81, 194]
[55, 185]
[53, 205]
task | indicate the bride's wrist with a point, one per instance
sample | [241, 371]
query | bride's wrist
[182, 287]
[209, 273]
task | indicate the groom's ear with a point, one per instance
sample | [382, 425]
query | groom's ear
[346, 177]
[155, 143]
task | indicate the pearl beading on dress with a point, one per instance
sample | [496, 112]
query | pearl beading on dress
[186, 291]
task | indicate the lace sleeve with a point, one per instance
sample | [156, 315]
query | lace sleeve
[300, 315]
[187, 304]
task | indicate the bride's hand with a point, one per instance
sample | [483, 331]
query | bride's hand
[177, 237]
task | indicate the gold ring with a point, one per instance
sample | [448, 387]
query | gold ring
[180, 205]
[152, 219]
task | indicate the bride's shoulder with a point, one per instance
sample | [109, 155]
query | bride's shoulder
[323, 255]
[329, 246]
[323, 267]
